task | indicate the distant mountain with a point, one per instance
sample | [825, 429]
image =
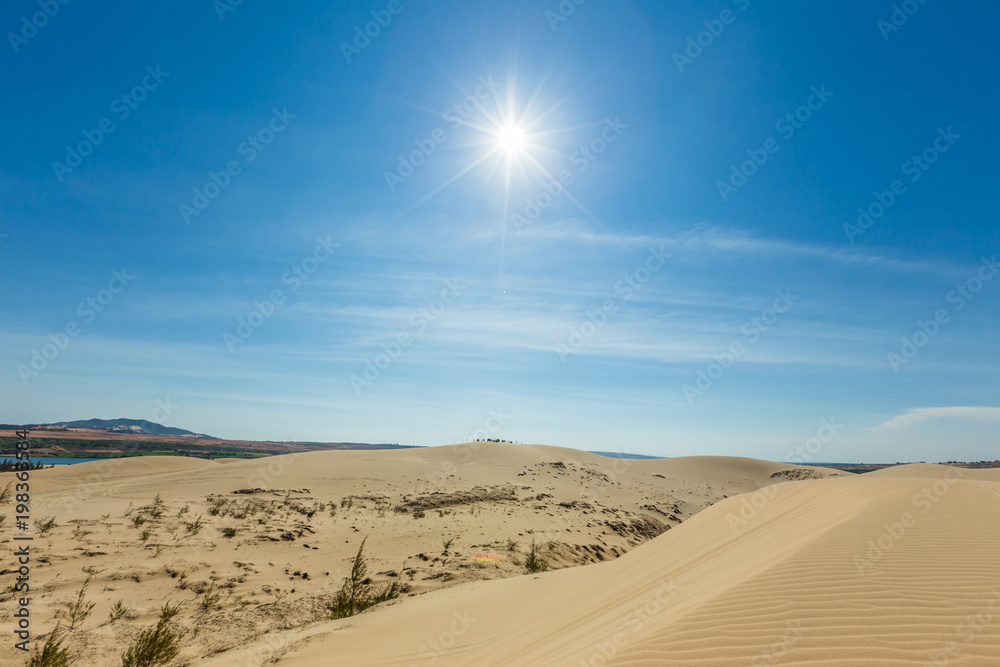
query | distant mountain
[126, 426]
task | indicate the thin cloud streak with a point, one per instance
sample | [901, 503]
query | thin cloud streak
[921, 415]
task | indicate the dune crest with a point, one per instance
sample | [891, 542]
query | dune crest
[849, 571]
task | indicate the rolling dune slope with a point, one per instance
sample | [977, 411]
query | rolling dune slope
[855, 571]
[119, 468]
[273, 538]
[936, 470]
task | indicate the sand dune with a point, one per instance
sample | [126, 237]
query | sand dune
[118, 468]
[698, 560]
[938, 471]
[800, 585]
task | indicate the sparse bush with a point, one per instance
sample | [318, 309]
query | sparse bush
[80, 609]
[512, 545]
[209, 598]
[5, 495]
[419, 514]
[447, 543]
[155, 646]
[45, 525]
[301, 509]
[534, 562]
[8, 465]
[155, 511]
[229, 531]
[144, 535]
[119, 610]
[194, 526]
[168, 611]
[52, 653]
[358, 593]
[138, 520]
[388, 592]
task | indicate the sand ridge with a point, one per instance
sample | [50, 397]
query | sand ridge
[801, 586]
[695, 560]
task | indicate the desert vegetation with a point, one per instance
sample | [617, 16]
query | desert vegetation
[358, 592]
[52, 653]
[252, 558]
[79, 609]
[534, 562]
[155, 646]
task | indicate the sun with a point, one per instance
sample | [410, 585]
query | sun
[510, 139]
[513, 142]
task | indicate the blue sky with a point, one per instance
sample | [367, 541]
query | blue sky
[657, 304]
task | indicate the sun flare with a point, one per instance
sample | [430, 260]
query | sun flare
[510, 139]
[513, 144]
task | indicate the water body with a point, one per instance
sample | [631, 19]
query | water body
[55, 460]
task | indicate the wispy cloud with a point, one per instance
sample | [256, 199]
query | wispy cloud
[921, 415]
[707, 238]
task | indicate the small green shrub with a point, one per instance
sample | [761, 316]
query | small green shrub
[80, 609]
[119, 610]
[155, 511]
[154, 647]
[168, 611]
[194, 526]
[209, 598]
[358, 593]
[45, 525]
[534, 562]
[52, 653]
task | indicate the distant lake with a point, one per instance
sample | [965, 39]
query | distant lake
[54, 460]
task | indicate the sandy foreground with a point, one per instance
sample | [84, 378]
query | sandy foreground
[691, 561]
